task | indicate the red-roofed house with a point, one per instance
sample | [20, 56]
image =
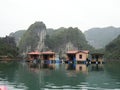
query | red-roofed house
[34, 55]
[48, 55]
[81, 55]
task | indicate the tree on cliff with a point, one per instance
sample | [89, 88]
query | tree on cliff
[8, 47]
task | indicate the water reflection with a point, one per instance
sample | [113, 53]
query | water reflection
[27, 76]
[7, 71]
[8, 74]
[77, 67]
[96, 67]
[48, 66]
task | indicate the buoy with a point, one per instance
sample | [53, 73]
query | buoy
[96, 62]
[89, 62]
[3, 88]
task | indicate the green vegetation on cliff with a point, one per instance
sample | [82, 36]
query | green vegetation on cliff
[113, 49]
[64, 39]
[8, 47]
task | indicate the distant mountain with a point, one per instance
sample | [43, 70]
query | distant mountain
[99, 37]
[113, 49]
[17, 35]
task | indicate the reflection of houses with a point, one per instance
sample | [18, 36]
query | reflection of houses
[77, 67]
[97, 58]
[52, 66]
[48, 55]
[77, 56]
[81, 67]
[70, 66]
[33, 55]
[97, 67]
[47, 66]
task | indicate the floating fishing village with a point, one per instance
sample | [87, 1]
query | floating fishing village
[73, 57]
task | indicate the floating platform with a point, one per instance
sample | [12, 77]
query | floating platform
[64, 62]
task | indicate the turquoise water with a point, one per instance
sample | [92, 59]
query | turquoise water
[24, 76]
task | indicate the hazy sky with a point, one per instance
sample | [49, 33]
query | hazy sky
[84, 14]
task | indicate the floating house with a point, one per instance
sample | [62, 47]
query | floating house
[97, 58]
[33, 55]
[77, 56]
[48, 55]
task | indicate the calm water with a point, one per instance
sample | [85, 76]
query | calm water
[23, 76]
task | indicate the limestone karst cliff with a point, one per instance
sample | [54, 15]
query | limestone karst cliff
[33, 38]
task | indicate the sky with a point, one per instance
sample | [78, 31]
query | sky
[85, 14]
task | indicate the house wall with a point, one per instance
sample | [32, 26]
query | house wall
[99, 59]
[84, 56]
[67, 58]
[49, 57]
[52, 58]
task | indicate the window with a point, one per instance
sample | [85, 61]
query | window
[51, 56]
[80, 56]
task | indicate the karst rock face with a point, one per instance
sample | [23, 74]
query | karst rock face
[40, 32]
[33, 39]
